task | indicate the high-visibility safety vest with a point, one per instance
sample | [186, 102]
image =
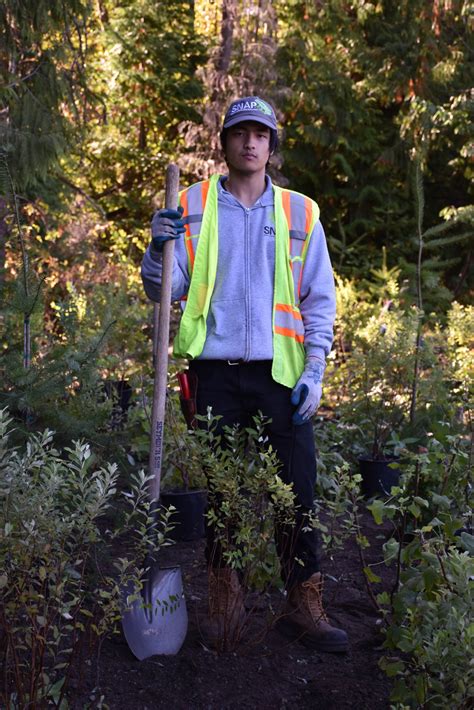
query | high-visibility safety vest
[295, 217]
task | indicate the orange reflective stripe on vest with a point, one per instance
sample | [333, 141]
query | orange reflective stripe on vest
[288, 322]
[193, 201]
[299, 213]
[183, 201]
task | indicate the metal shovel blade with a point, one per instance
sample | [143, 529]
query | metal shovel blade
[158, 624]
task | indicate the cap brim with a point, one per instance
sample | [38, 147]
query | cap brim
[243, 116]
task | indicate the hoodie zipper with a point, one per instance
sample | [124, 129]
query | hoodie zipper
[247, 286]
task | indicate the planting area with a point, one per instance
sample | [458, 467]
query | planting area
[266, 670]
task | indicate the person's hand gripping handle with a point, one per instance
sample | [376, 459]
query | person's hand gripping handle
[166, 224]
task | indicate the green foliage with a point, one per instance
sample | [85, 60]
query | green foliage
[97, 99]
[41, 67]
[59, 576]
[144, 71]
[372, 369]
[426, 273]
[428, 617]
[367, 87]
[460, 340]
[338, 499]
[246, 498]
[379, 379]
[61, 388]
[425, 616]
[435, 480]
[119, 309]
[92, 335]
[432, 629]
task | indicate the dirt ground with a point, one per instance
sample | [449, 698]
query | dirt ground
[264, 673]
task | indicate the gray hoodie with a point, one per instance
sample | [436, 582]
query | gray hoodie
[239, 323]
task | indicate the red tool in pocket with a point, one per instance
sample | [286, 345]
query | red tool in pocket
[187, 398]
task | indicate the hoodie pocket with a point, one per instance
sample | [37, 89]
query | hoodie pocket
[226, 320]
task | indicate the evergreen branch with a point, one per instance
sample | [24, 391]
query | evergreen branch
[448, 240]
[370, 192]
[41, 104]
[339, 158]
[93, 350]
[18, 224]
[82, 192]
[21, 79]
[440, 228]
[35, 299]
[440, 264]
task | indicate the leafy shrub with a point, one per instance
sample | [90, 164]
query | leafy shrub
[379, 381]
[247, 496]
[460, 341]
[371, 373]
[428, 610]
[247, 499]
[431, 627]
[436, 482]
[59, 576]
[426, 616]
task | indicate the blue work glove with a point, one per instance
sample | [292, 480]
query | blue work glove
[166, 225]
[308, 390]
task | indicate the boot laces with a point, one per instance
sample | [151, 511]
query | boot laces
[312, 593]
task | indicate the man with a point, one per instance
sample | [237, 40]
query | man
[257, 326]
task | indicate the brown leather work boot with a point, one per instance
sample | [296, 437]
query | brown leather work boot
[305, 618]
[224, 624]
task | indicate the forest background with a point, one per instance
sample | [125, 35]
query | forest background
[374, 99]
[98, 97]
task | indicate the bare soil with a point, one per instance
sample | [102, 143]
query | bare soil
[267, 670]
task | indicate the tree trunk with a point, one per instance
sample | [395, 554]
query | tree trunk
[4, 234]
[227, 35]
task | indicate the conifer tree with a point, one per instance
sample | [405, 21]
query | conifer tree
[361, 76]
[42, 56]
[42, 59]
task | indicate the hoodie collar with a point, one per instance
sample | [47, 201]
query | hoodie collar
[266, 198]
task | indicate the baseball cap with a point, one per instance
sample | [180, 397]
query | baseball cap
[250, 108]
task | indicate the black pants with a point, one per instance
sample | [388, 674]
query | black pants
[237, 393]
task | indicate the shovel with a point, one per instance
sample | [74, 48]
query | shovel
[155, 620]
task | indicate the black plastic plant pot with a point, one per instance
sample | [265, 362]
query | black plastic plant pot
[188, 519]
[378, 476]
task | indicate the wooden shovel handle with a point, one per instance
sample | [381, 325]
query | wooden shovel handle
[162, 343]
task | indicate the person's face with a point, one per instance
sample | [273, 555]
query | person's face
[248, 147]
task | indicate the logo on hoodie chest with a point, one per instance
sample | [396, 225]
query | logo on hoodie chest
[269, 231]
